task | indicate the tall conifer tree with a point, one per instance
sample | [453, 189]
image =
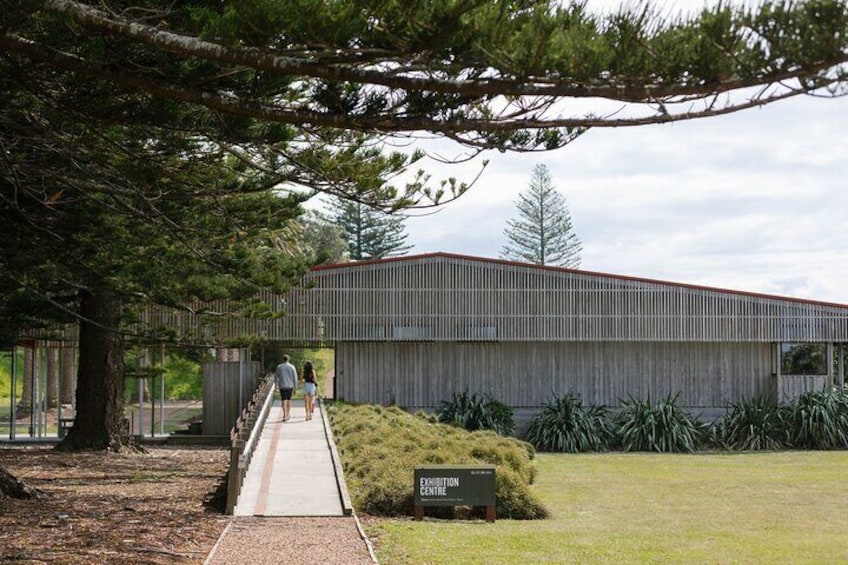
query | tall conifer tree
[543, 232]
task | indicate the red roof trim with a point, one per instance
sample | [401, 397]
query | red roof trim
[567, 270]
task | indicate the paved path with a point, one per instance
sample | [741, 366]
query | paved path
[292, 509]
[292, 471]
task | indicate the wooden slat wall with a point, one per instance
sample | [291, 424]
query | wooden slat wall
[452, 298]
[448, 298]
[421, 375]
[790, 387]
[221, 405]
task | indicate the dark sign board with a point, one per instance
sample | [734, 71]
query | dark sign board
[455, 485]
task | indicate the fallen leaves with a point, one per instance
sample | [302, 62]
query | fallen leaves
[163, 506]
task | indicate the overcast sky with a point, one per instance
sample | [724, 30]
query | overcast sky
[753, 201]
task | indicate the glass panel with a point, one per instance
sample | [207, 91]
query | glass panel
[803, 359]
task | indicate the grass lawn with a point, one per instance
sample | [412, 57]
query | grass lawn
[788, 507]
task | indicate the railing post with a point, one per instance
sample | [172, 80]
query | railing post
[233, 479]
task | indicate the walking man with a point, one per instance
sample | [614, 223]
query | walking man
[286, 379]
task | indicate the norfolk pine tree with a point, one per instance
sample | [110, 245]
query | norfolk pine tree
[370, 233]
[542, 233]
[300, 94]
[323, 242]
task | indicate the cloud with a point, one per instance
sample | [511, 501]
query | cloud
[753, 201]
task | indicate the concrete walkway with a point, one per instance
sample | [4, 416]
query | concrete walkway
[294, 506]
[292, 472]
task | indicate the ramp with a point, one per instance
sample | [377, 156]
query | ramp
[293, 472]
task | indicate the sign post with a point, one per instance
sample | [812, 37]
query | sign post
[455, 485]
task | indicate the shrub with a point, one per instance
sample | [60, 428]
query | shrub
[501, 451]
[380, 448]
[753, 424]
[663, 427]
[183, 378]
[473, 412]
[819, 420]
[6, 374]
[565, 425]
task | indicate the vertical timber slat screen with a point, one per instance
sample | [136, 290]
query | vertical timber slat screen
[443, 297]
[227, 387]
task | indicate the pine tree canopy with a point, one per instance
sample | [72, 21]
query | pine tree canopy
[543, 232]
[370, 233]
[323, 242]
[491, 73]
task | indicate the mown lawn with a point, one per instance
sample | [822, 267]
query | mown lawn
[788, 507]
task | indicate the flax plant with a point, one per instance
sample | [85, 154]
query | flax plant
[750, 425]
[476, 412]
[565, 425]
[663, 427]
[819, 420]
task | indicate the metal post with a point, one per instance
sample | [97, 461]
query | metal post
[241, 381]
[45, 399]
[828, 352]
[66, 370]
[152, 409]
[162, 391]
[14, 422]
[42, 393]
[32, 393]
[140, 408]
[60, 362]
[75, 377]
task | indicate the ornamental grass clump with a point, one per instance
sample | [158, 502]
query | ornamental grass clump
[380, 448]
[476, 412]
[663, 427]
[818, 419]
[754, 424]
[565, 425]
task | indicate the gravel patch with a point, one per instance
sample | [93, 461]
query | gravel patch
[271, 541]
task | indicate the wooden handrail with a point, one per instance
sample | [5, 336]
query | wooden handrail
[244, 436]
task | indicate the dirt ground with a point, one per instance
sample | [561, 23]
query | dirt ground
[163, 506]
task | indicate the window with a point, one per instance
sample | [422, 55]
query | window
[803, 359]
[411, 332]
[482, 332]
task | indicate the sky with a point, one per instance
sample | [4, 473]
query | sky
[754, 201]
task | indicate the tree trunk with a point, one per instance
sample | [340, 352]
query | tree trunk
[100, 377]
[12, 487]
[66, 385]
[52, 394]
[25, 401]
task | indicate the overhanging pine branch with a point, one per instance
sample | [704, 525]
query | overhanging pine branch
[510, 86]
[380, 123]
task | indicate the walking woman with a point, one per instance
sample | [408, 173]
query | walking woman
[310, 387]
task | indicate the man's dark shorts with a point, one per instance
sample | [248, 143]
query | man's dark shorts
[286, 393]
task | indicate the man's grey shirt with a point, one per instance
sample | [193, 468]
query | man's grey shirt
[286, 376]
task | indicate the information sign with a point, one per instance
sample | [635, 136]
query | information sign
[455, 485]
